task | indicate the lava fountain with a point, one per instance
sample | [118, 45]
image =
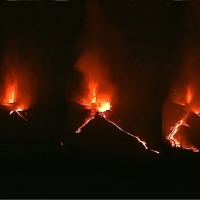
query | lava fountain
[103, 106]
[99, 94]
[11, 95]
[11, 100]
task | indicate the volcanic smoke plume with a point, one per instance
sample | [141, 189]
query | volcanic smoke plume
[17, 88]
[97, 87]
[183, 101]
[98, 92]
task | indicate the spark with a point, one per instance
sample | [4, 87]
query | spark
[61, 144]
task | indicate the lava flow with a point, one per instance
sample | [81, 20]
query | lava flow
[174, 142]
[94, 106]
[102, 107]
[182, 122]
[171, 137]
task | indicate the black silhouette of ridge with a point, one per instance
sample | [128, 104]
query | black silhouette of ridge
[103, 140]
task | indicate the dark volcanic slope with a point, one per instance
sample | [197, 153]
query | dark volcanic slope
[100, 139]
[28, 142]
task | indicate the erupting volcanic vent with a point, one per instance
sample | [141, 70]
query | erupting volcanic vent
[10, 98]
[16, 87]
[98, 91]
[187, 101]
[93, 103]
[95, 108]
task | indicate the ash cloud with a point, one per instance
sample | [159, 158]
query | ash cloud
[92, 60]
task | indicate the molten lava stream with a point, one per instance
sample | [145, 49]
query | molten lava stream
[102, 108]
[17, 111]
[171, 137]
[84, 124]
[143, 142]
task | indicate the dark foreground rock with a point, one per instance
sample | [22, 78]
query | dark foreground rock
[101, 140]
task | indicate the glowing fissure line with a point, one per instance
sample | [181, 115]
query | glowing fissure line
[17, 111]
[142, 142]
[193, 149]
[103, 115]
[84, 124]
[175, 129]
[155, 151]
[21, 116]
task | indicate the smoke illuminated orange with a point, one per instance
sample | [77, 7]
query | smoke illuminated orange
[189, 95]
[101, 106]
[94, 104]
[10, 98]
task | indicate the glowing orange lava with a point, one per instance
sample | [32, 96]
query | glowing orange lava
[182, 122]
[10, 94]
[189, 95]
[139, 140]
[92, 103]
[10, 98]
[174, 142]
[95, 105]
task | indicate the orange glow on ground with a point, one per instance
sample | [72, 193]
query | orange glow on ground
[186, 101]
[174, 130]
[174, 142]
[102, 105]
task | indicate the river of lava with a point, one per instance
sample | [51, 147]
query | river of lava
[102, 108]
[17, 111]
[139, 140]
[174, 129]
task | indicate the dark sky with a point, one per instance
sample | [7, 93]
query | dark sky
[43, 31]
[142, 38]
